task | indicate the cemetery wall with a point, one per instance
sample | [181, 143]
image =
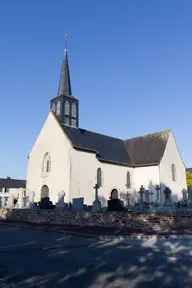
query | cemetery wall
[156, 221]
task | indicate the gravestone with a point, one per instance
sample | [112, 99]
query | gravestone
[78, 204]
[114, 204]
[10, 201]
[151, 203]
[158, 191]
[168, 204]
[45, 203]
[141, 192]
[60, 204]
[20, 202]
[96, 204]
[168, 199]
[151, 198]
[30, 203]
[128, 200]
[147, 195]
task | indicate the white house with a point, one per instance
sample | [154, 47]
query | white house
[66, 157]
[10, 186]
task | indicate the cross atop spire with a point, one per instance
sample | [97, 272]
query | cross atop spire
[65, 83]
[66, 38]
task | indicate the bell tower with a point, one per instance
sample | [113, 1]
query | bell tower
[64, 105]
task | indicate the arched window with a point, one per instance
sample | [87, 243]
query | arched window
[58, 107]
[99, 177]
[66, 120]
[73, 110]
[173, 170]
[67, 108]
[46, 165]
[73, 123]
[128, 180]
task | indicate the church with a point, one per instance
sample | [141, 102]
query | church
[68, 158]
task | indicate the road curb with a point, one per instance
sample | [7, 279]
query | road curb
[76, 234]
[102, 237]
[147, 237]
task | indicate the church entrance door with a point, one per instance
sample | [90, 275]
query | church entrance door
[44, 192]
[114, 194]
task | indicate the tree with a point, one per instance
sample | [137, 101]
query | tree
[189, 178]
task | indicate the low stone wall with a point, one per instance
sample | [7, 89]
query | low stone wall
[155, 221]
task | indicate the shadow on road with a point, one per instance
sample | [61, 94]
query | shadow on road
[40, 259]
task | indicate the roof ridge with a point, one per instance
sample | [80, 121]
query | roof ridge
[145, 135]
[94, 132]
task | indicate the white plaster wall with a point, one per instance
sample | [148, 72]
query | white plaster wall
[51, 140]
[147, 176]
[84, 176]
[172, 156]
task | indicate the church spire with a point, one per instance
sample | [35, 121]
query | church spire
[65, 83]
[64, 105]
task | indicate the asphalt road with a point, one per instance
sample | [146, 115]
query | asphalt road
[34, 258]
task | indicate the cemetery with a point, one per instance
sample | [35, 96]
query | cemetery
[149, 213]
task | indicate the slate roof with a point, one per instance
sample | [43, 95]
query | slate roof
[12, 183]
[147, 149]
[139, 151]
[107, 148]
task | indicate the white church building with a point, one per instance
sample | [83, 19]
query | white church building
[71, 159]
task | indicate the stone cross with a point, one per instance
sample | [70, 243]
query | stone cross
[96, 204]
[141, 192]
[184, 192]
[157, 188]
[96, 187]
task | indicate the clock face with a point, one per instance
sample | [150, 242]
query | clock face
[53, 107]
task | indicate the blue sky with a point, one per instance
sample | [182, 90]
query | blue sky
[130, 64]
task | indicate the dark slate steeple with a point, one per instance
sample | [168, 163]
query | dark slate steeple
[65, 83]
[64, 105]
